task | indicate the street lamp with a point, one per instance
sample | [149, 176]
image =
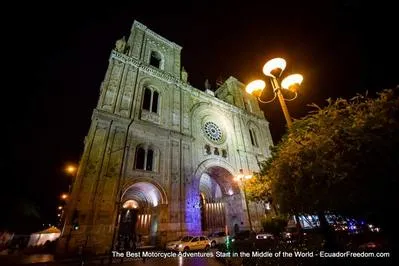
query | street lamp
[242, 178]
[273, 70]
[64, 196]
[72, 170]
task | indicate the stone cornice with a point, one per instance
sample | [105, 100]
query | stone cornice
[164, 76]
[139, 25]
[155, 35]
[165, 131]
[146, 68]
[107, 116]
[124, 122]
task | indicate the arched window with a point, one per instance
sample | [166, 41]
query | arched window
[253, 137]
[154, 107]
[147, 99]
[150, 100]
[140, 158]
[145, 159]
[150, 159]
[155, 59]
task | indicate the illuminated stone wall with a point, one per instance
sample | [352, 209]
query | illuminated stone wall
[190, 133]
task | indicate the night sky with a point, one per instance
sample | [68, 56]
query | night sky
[56, 57]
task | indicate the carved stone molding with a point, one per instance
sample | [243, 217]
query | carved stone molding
[149, 116]
[166, 77]
[158, 45]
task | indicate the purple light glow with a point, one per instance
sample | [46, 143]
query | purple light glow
[192, 212]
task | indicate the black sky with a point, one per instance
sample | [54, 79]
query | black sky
[56, 56]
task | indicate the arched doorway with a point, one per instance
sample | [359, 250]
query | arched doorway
[220, 201]
[127, 225]
[139, 215]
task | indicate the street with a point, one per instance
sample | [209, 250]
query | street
[179, 261]
[47, 259]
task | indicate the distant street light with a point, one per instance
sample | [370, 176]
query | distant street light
[273, 70]
[242, 178]
[64, 196]
[71, 169]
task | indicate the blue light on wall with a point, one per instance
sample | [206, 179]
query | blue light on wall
[193, 211]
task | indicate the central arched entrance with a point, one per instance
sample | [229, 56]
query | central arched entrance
[141, 206]
[221, 203]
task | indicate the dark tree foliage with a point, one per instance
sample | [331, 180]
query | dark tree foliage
[341, 158]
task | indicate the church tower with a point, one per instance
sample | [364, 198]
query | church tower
[160, 156]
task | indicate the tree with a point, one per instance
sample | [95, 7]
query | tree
[342, 158]
[259, 187]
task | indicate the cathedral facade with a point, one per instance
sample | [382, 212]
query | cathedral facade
[161, 158]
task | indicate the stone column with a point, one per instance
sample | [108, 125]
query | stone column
[162, 224]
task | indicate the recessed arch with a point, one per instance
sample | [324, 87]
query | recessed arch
[209, 188]
[218, 195]
[254, 133]
[221, 172]
[144, 190]
[142, 203]
[156, 59]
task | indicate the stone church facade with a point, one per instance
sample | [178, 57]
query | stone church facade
[161, 156]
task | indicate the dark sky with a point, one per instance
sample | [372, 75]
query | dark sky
[56, 56]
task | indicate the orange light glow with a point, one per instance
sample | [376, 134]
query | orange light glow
[130, 204]
[255, 87]
[276, 63]
[71, 169]
[64, 196]
[291, 80]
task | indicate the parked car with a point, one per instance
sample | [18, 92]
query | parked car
[173, 244]
[265, 236]
[193, 243]
[218, 238]
[293, 234]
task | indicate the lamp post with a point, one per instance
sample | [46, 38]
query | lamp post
[72, 170]
[273, 70]
[242, 178]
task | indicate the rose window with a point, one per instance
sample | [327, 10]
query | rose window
[213, 132]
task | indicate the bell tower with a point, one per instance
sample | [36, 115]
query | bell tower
[131, 97]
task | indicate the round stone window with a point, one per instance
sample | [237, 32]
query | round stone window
[213, 132]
